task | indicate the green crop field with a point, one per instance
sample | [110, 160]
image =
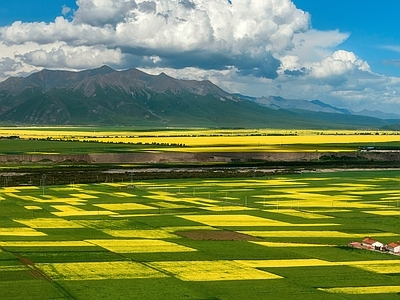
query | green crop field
[255, 238]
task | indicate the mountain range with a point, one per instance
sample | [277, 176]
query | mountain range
[275, 102]
[104, 96]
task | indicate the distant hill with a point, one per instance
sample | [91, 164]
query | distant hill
[105, 96]
[275, 102]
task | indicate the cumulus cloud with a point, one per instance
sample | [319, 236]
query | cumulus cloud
[253, 47]
[339, 64]
[250, 35]
[72, 57]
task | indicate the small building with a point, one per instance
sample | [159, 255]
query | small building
[372, 244]
[393, 247]
[355, 245]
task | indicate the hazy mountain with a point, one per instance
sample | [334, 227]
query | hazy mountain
[275, 102]
[104, 96]
[377, 114]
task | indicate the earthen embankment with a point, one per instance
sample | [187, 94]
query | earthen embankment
[207, 157]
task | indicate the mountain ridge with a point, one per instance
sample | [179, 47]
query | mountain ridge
[104, 96]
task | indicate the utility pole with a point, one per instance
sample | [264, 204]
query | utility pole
[43, 182]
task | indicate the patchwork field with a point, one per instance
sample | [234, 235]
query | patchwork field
[256, 238]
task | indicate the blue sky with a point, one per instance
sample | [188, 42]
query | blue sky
[372, 26]
[32, 11]
[345, 53]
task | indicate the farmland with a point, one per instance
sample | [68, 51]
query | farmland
[237, 238]
[64, 140]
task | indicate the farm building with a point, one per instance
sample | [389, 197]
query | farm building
[393, 247]
[371, 243]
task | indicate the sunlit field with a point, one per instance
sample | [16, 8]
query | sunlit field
[282, 237]
[54, 140]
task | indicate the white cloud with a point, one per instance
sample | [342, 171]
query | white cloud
[65, 10]
[338, 64]
[255, 47]
[73, 57]
[248, 33]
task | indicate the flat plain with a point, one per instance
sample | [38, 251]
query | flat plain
[250, 238]
[64, 140]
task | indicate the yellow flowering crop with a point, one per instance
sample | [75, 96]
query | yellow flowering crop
[212, 270]
[365, 290]
[285, 263]
[163, 198]
[9, 190]
[188, 228]
[46, 244]
[376, 192]
[140, 246]
[380, 267]
[98, 270]
[318, 233]
[301, 214]
[170, 205]
[32, 207]
[68, 210]
[145, 234]
[123, 206]
[13, 268]
[123, 194]
[286, 245]
[234, 220]
[228, 208]
[83, 196]
[384, 212]
[48, 223]
[20, 231]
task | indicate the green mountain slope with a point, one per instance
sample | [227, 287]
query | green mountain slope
[104, 96]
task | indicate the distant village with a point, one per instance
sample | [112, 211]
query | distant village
[370, 244]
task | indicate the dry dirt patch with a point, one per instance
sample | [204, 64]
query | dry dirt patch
[216, 235]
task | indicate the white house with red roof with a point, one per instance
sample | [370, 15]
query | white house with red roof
[371, 243]
[393, 247]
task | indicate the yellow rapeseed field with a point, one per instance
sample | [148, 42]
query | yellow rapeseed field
[32, 207]
[143, 234]
[83, 196]
[212, 270]
[98, 270]
[234, 220]
[310, 200]
[163, 198]
[48, 223]
[286, 245]
[209, 139]
[318, 233]
[170, 205]
[301, 214]
[13, 268]
[378, 266]
[140, 246]
[46, 244]
[228, 208]
[68, 211]
[285, 263]
[123, 206]
[123, 194]
[365, 290]
[384, 212]
[20, 231]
